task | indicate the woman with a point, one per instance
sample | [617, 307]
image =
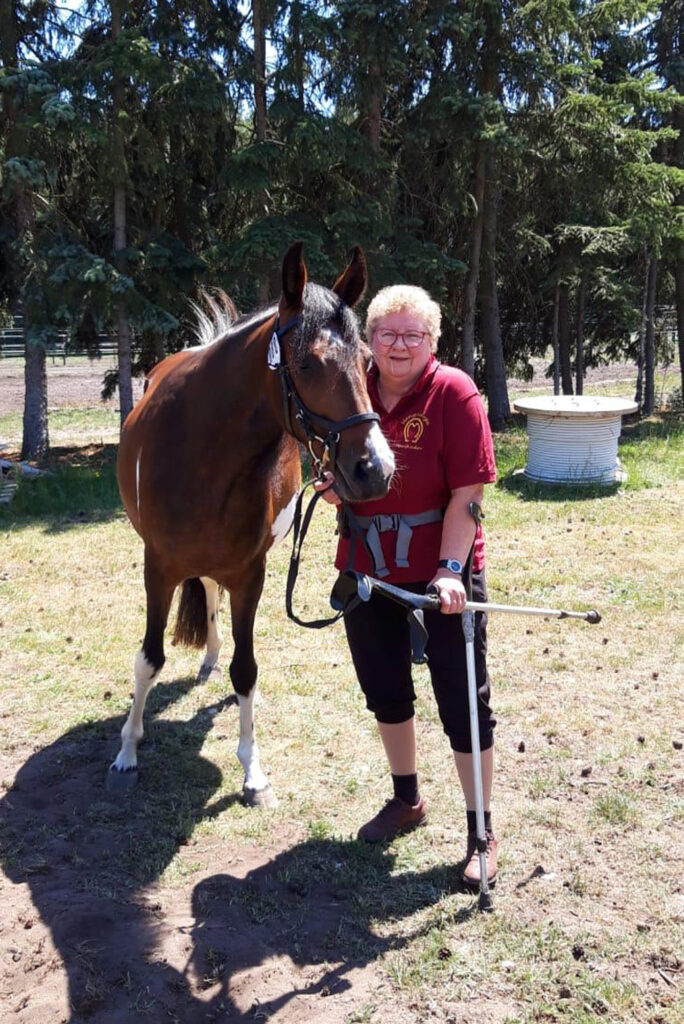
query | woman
[421, 535]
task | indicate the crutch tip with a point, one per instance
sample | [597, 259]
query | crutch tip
[485, 903]
[593, 617]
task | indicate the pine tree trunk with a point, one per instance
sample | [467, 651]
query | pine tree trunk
[473, 276]
[678, 121]
[35, 441]
[564, 338]
[490, 324]
[556, 344]
[649, 348]
[641, 353]
[579, 352]
[259, 27]
[490, 86]
[679, 286]
[260, 121]
[298, 50]
[123, 329]
[372, 119]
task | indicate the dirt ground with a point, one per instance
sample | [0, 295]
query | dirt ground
[81, 942]
[78, 383]
[74, 384]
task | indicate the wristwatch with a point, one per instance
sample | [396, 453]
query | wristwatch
[452, 564]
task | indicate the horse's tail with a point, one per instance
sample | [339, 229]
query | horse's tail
[191, 621]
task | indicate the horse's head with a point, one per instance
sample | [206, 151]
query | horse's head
[324, 369]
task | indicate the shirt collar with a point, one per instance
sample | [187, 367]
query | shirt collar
[420, 385]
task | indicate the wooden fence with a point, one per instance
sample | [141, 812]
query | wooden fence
[12, 344]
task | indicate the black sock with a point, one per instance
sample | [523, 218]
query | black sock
[472, 823]
[406, 788]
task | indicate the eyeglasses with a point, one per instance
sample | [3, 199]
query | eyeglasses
[412, 339]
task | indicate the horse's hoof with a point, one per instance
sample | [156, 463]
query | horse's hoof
[121, 782]
[260, 797]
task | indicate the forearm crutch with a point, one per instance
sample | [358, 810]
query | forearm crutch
[468, 623]
[356, 586]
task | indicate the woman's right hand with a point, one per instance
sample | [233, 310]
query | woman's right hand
[324, 486]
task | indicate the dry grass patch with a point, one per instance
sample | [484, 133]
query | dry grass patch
[277, 913]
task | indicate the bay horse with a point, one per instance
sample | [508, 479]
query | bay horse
[209, 473]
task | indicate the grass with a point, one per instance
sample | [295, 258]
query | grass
[578, 942]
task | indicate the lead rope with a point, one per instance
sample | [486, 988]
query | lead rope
[300, 528]
[299, 531]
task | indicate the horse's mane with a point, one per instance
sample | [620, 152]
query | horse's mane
[214, 317]
[220, 319]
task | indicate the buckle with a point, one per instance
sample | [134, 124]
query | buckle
[383, 524]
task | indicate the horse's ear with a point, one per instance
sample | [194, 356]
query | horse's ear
[352, 282]
[294, 275]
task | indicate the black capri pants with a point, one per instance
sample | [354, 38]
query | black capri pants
[380, 645]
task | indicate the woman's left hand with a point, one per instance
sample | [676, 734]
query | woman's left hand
[451, 592]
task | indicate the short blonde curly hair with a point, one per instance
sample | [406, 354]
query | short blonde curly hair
[399, 297]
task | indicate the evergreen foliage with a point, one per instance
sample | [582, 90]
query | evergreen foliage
[515, 158]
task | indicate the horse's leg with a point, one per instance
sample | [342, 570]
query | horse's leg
[148, 664]
[214, 637]
[243, 673]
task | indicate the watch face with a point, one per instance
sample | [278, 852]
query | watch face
[452, 564]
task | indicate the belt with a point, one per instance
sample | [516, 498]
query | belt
[375, 525]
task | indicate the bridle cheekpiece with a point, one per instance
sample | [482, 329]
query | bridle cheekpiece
[310, 422]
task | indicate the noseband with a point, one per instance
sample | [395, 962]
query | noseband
[311, 422]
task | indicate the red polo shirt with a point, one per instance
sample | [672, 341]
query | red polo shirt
[440, 437]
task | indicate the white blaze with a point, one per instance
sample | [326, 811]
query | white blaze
[379, 450]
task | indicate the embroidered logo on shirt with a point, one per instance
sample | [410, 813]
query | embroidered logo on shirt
[413, 428]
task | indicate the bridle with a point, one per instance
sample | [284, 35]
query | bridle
[312, 424]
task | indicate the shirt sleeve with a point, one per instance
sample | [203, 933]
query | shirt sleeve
[468, 451]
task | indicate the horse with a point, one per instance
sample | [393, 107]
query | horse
[209, 472]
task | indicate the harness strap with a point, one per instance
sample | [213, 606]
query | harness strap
[375, 525]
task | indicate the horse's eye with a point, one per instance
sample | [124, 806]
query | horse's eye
[306, 367]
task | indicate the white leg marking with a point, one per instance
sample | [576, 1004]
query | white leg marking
[137, 482]
[214, 636]
[248, 751]
[379, 450]
[283, 521]
[132, 732]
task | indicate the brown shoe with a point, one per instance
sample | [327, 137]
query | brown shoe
[394, 818]
[471, 870]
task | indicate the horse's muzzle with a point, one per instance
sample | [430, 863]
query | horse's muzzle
[364, 472]
[370, 478]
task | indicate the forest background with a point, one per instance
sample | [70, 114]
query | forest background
[522, 161]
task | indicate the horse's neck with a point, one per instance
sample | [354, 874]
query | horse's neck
[240, 380]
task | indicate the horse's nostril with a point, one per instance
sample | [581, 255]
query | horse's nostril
[371, 473]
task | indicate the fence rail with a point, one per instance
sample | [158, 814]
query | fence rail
[13, 344]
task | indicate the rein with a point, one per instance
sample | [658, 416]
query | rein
[310, 423]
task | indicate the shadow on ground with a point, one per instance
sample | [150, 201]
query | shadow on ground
[265, 929]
